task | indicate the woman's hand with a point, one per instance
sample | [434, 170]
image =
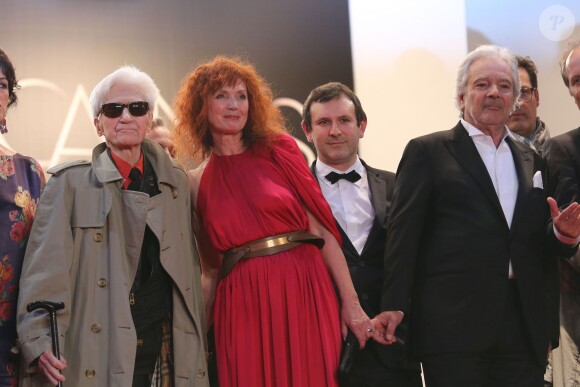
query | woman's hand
[355, 319]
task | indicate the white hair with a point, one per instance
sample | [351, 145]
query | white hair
[126, 75]
[486, 51]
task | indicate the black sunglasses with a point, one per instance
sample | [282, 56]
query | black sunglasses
[115, 109]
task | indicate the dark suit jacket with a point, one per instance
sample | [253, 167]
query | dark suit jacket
[366, 269]
[563, 156]
[448, 247]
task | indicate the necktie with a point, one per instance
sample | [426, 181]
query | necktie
[135, 176]
[352, 176]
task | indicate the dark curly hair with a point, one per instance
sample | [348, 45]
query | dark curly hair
[8, 70]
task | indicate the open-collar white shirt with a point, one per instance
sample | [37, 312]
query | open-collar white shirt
[501, 167]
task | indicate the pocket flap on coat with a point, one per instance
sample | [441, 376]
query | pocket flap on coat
[90, 208]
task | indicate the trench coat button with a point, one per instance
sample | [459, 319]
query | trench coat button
[362, 263]
[96, 328]
[98, 237]
[102, 282]
[364, 296]
[90, 373]
[200, 373]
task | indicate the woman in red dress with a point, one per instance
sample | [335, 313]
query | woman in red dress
[260, 219]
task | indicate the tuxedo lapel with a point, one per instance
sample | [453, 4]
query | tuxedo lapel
[461, 146]
[378, 189]
[347, 245]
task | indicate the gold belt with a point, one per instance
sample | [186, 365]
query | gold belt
[267, 246]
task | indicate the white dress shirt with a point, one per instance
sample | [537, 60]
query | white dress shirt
[501, 168]
[350, 202]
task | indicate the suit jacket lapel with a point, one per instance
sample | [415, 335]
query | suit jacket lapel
[461, 146]
[346, 243]
[378, 189]
[524, 163]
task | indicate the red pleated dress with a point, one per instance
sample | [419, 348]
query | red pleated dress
[276, 317]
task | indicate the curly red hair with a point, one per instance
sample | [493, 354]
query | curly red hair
[191, 130]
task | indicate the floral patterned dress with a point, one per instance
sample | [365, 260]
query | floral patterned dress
[21, 181]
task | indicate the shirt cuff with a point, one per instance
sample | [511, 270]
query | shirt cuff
[565, 239]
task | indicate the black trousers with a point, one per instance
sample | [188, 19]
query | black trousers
[369, 371]
[510, 362]
[141, 381]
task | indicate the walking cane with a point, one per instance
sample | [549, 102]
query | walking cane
[51, 308]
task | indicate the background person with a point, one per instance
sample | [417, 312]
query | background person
[21, 181]
[113, 241]
[275, 313]
[161, 135]
[564, 183]
[524, 122]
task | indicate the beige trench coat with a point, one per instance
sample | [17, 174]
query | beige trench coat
[83, 250]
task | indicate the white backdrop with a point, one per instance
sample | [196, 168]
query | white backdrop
[406, 55]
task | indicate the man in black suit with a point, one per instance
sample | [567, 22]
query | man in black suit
[360, 197]
[562, 154]
[470, 246]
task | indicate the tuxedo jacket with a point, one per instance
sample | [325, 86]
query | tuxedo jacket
[449, 247]
[366, 269]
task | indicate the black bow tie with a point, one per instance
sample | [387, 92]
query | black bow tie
[352, 176]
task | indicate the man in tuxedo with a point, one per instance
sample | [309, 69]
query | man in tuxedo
[470, 243]
[360, 197]
[564, 183]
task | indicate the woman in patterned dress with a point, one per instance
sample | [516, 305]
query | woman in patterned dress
[21, 181]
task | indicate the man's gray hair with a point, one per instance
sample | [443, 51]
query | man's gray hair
[130, 75]
[486, 51]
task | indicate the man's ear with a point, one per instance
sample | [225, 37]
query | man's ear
[98, 127]
[306, 132]
[461, 100]
[362, 127]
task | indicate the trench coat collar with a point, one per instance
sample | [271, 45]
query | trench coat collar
[107, 172]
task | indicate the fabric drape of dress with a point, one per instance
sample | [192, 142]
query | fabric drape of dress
[276, 317]
[21, 180]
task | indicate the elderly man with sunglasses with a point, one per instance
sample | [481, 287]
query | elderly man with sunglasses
[524, 122]
[113, 241]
